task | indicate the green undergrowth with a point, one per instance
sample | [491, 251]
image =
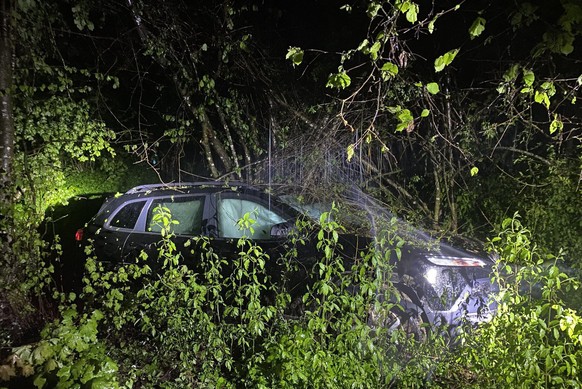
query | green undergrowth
[168, 322]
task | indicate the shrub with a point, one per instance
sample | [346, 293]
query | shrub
[535, 339]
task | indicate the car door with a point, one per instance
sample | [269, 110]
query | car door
[109, 239]
[238, 215]
[187, 216]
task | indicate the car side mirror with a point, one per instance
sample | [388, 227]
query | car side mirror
[282, 229]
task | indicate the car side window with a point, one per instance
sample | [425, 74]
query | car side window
[127, 216]
[230, 211]
[187, 211]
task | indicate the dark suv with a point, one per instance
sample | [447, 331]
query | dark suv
[441, 283]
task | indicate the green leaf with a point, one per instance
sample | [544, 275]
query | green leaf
[542, 98]
[363, 45]
[339, 80]
[425, 112]
[444, 60]
[431, 26]
[408, 8]
[295, 54]
[405, 119]
[412, 13]
[39, 381]
[528, 77]
[511, 73]
[556, 124]
[373, 9]
[433, 88]
[389, 71]
[477, 27]
[549, 88]
[374, 50]
[350, 151]
[474, 171]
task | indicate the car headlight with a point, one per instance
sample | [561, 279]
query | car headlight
[441, 260]
[431, 275]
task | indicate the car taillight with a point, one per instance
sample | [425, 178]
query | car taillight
[79, 235]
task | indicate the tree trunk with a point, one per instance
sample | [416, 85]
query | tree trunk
[6, 118]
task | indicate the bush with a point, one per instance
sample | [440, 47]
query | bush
[68, 355]
[231, 324]
[535, 339]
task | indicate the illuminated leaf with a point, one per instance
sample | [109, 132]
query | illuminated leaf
[374, 50]
[511, 73]
[432, 88]
[408, 8]
[528, 77]
[412, 13]
[350, 151]
[295, 54]
[474, 171]
[431, 26]
[405, 120]
[339, 80]
[444, 60]
[373, 9]
[389, 70]
[542, 98]
[556, 125]
[477, 27]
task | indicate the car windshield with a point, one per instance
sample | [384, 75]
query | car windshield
[313, 210]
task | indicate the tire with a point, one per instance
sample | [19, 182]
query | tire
[405, 316]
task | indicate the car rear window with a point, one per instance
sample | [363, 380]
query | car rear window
[127, 216]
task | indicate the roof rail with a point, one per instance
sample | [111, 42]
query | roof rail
[177, 185]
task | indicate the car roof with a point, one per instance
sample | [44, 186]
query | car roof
[184, 188]
[174, 186]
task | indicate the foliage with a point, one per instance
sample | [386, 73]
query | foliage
[216, 322]
[535, 338]
[547, 198]
[221, 323]
[453, 113]
[49, 135]
[426, 133]
[55, 127]
[69, 354]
